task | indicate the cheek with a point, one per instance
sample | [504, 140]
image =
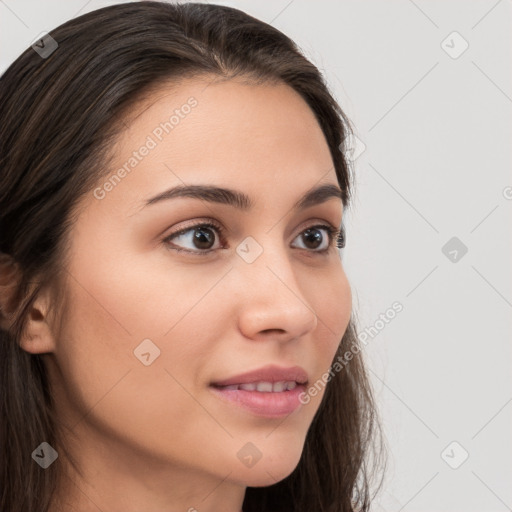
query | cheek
[105, 385]
[339, 300]
[125, 313]
[331, 299]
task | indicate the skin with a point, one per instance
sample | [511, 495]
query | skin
[154, 437]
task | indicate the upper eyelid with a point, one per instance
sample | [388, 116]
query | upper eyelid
[196, 225]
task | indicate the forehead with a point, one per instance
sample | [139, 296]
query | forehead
[201, 118]
[262, 138]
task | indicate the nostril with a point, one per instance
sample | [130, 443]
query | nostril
[35, 314]
[273, 331]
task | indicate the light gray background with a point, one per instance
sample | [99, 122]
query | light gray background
[436, 132]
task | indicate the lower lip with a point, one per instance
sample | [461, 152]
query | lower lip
[268, 404]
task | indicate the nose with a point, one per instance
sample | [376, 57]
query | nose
[271, 302]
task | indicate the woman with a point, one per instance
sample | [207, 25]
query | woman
[174, 307]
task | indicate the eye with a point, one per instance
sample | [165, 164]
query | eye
[312, 238]
[200, 238]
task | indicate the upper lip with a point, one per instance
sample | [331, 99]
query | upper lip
[270, 373]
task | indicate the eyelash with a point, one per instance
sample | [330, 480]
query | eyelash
[334, 234]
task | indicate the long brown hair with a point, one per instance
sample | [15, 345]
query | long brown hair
[59, 112]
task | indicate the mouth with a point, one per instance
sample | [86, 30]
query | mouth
[270, 391]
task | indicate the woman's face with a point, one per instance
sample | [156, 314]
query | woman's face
[153, 320]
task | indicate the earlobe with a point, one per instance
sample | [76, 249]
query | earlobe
[37, 337]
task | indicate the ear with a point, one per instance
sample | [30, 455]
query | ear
[37, 336]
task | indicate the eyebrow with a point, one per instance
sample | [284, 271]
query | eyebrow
[214, 194]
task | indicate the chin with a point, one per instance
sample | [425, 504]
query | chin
[269, 471]
[264, 479]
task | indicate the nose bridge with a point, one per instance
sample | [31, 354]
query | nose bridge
[267, 262]
[272, 298]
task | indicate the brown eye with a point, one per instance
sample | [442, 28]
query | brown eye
[320, 238]
[203, 238]
[197, 239]
[313, 238]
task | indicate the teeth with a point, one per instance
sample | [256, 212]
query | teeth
[233, 387]
[248, 387]
[264, 387]
[279, 386]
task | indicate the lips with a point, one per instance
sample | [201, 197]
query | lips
[271, 375]
[270, 392]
